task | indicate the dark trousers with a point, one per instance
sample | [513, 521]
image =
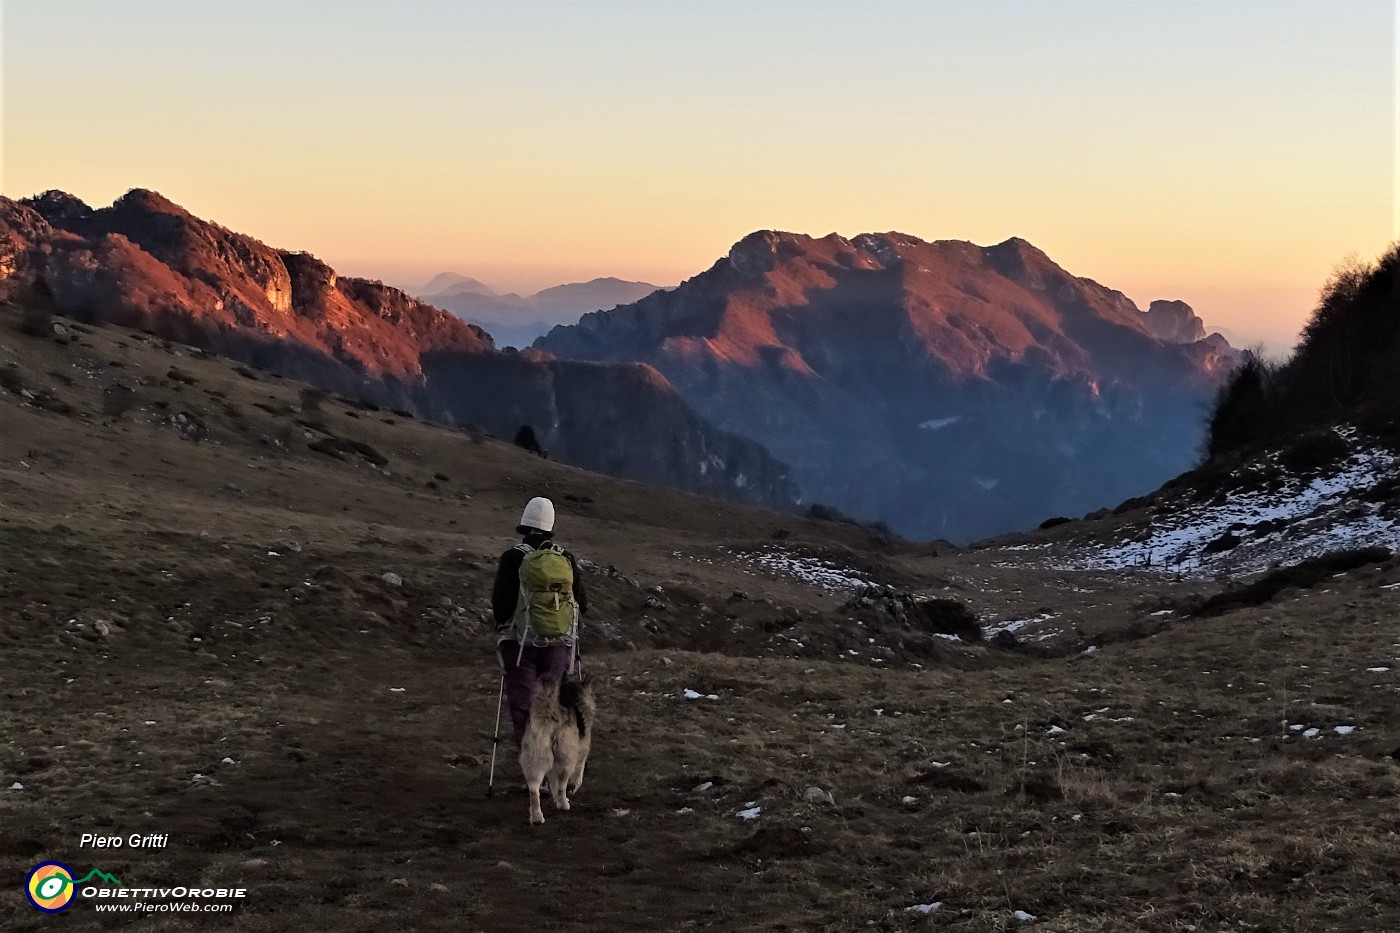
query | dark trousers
[547, 662]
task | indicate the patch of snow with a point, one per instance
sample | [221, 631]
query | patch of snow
[988, 484]
[1317, 515]
[396, 689]
[1311, 733]
[1377, 670]
[908, 800]
[1344, 730]
[817, 571]
[1056, 730]
[924, 909]
[1023, 917]
[1016, 625]
[16, 786]
[934, 424]
[684, 810]
[750, 814]
[691, 694]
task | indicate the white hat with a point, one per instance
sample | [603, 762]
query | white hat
[539, 514]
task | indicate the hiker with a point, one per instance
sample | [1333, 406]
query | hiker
[537, 601]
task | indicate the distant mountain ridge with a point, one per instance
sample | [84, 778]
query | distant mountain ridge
[148, 263]
[517, 320]
[946, 388]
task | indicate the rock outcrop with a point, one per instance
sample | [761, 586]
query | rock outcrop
[1173, 322]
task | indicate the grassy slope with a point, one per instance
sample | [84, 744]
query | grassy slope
[355, 807]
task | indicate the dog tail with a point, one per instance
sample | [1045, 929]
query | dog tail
[573, 697]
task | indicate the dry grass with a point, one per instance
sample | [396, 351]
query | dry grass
[1181, 802]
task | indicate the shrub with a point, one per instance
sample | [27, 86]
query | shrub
[525, 439]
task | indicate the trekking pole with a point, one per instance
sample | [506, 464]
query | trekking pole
[496, 740]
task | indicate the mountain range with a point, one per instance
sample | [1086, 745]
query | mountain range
[516, 320]
[947, 389]
[146, 262]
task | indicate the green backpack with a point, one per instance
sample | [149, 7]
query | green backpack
[547, 592]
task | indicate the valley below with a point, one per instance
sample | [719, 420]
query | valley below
[256, 618]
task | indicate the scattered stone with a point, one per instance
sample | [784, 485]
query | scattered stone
[190, 427]
[399, 882]
[817, 795]
[392, 580]
[438, 886]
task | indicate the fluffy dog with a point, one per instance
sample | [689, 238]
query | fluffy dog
[557, 741]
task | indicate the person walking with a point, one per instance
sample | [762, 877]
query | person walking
[538, 600]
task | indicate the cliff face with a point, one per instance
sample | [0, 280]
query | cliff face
[146, 262]
[945, 388]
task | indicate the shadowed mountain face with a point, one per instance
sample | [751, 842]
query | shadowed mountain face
[146, 262]
[517, 321]
[945, 388]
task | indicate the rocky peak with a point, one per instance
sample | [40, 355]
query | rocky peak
[58, 207]
[1173, 322]
[146, 201]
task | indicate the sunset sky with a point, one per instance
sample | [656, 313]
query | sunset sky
[1226, 153]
